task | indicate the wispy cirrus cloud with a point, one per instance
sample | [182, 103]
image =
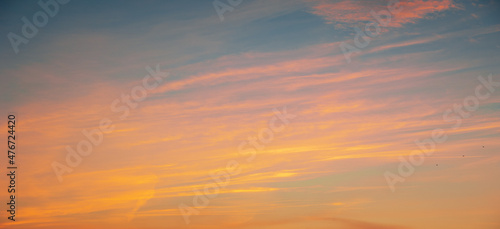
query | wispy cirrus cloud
[349, 12]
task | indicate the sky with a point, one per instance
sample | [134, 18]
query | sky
[252, 114]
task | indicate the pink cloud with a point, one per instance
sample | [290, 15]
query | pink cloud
[350, 12]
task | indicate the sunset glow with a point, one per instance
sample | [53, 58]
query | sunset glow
[252, 114]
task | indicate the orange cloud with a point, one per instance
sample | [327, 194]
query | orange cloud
[351, 12]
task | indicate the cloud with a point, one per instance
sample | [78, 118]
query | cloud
[338, 222]
[350, 12]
